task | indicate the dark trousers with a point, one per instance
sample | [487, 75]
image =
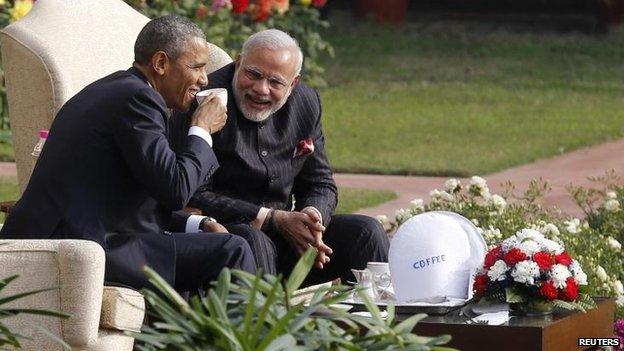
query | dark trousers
[355, 240]
[200, 257]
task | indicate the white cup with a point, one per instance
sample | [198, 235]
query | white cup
[381, 278]
[220, 92]
[378, 267]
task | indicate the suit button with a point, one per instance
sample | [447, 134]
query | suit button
[264, 153]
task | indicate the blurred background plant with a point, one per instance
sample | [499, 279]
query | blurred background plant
[594, 241]
[227, 23]
[11, 338]
[251, 312]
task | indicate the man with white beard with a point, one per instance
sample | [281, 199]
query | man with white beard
[275, 187]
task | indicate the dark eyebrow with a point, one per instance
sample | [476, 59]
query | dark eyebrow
[254, 70]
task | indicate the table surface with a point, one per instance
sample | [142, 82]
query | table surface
[557, 332]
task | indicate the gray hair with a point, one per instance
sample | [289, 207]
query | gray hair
[170, 34]
[274, 39]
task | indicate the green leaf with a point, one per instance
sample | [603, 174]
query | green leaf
[409, 324]
[301, 270]
[284, 342]
[511, 296]
[19, 296]
[37, 312]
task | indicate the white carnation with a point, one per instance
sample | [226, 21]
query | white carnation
[446, 196]
[529, 247]
[498, 270]
[620, 300]
[417, 205]
[611, 195]
[550, 229]
[572, 226]
[383, 219]
[509, 243]
[434, 194]
[530, 234]
[478, 182]
[401, 215]
[479, 187]
[577, 273]
[614, 243]
[559, 274]
[619, 288]
[498, 202]
[601, 273]
[451, 185]
[492, 234]
[612, 205]
[551, 246]
[525, 272]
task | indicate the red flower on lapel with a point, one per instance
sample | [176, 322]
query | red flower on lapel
[304, 147]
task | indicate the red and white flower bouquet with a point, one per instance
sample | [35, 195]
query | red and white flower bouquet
[534, 274]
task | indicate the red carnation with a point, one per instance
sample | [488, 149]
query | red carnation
[544, 260]
[201, 12]
[480, 284]
[262, 10]
[514, 256]
[492, 256]
[319, 3]
[239, 6]
[571, 290]
[564, 259]
[548, 290]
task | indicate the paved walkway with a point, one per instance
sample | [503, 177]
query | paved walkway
[561, 171]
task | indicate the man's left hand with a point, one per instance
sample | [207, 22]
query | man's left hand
[213, 227]
[321, 258]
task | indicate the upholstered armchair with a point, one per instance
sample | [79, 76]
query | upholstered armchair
[48, 56]
[99, 314]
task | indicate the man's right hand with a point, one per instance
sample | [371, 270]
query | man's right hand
[210, 114]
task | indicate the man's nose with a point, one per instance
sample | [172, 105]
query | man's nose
[203, 79]
[261, 87]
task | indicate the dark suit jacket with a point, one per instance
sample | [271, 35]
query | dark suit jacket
[257, 167]
[107, 174]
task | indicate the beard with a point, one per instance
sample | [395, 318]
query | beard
[252, 114]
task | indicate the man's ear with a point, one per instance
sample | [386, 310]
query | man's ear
[160, 61]
[237, 60]
[295, 81]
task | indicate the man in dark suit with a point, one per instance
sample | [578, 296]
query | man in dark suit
[272, 153]
[107, 173]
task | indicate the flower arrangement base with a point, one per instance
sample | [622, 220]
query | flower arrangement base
[532, 309]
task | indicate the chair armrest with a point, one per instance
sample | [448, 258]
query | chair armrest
[81, 275]
[122, 309]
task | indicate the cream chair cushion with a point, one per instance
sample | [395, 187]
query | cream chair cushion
[122, 309]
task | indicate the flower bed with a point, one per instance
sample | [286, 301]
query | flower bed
[593, 241]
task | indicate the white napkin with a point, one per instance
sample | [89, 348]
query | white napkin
[495, 318]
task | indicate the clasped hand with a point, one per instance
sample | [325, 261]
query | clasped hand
[302, 230]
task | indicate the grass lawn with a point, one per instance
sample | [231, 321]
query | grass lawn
[353, 199]
[439, 99]
[350, 199]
